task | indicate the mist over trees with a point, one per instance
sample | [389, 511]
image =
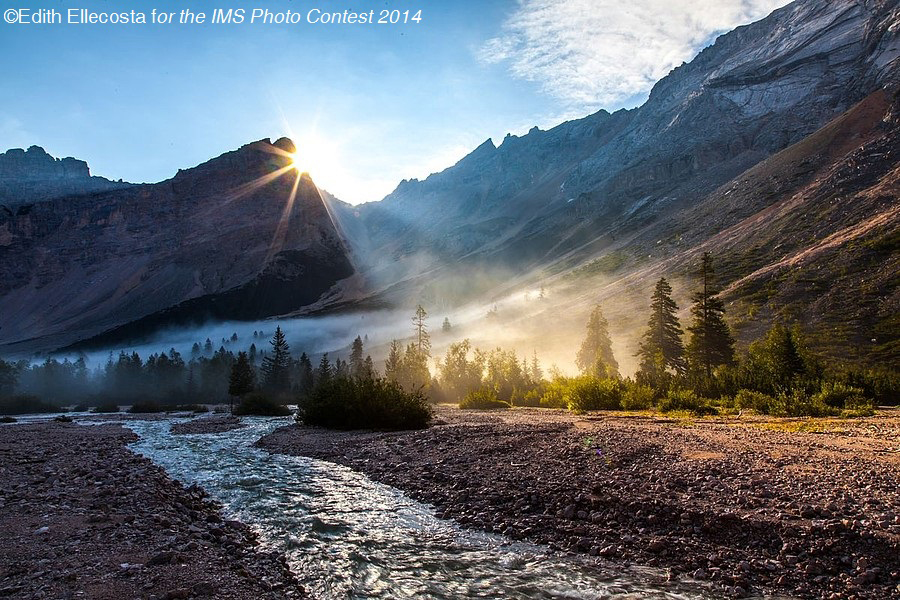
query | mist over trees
[699, 371]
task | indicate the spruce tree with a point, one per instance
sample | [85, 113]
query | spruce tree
[357, 362]
[394, 362]
[596, 356]
[711, 344]
[305, 374]
[324, 372]
[276, 367]
[662, 347]
[446, 325]
[243, 379]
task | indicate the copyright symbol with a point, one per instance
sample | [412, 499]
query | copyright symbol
[11, 16]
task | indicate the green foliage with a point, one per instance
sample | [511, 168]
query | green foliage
[662, 349]
[262, 405]
[556, 394]
[779, 362]
[591, 393]
[364, 403]
[484, 399]
[595, 357]
[24, 405]
[276, 366]
[753, 400]
[105, 407]
[638, 397]
[459, 373]
[711, 343]
[243, 378]
[839, 395]
[686, 400]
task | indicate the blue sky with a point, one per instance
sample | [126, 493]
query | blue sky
[369, 104]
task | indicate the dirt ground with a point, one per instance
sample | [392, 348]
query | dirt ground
[804, 507]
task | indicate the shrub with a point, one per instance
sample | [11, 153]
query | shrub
[484, 398]
[107, 407]
[799, 403]
[555, 395]
[686, 400]
[529, 398]
[7, 420]
[838, 395]
[591, 393]
[364, 403]
[638, 397]
[260, 404]
[757, 401]
[146, 407]
[83, 407]
[23, 405]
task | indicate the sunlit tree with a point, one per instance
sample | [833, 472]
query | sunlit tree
[595, 357]
[662, 348]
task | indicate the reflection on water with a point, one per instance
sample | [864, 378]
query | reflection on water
[348, 537]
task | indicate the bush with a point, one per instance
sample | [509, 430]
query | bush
[591, 393]
[838, 395]
[529, 398]
[484, 398]
[555, 396]
[364, 403]
[638, 397]
[24, 405]
[799, 403]
[686, 400]
[261, 405]
[757, 401]
[108, 407]
[146, 408]
[7, 420]
[83, 407]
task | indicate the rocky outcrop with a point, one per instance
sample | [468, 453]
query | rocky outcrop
[28, 176]
[242, 236]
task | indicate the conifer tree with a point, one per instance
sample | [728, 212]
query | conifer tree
[324, 371]
[369, 368]
[243, 379]
[711, 344]
[394, 362]
[537, 374]
[304, 374]
[276, 367]
[446, 325]
[596, 356]
[662, 347]
[423, 341]
[357, 362]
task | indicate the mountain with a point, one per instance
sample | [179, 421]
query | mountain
[29, 176]
[223, 240]
[746, 151]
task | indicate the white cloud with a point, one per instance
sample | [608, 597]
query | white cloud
[599, 53]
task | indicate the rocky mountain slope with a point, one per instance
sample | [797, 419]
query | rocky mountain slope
[754, 92]
[224, 240]
[728, 154]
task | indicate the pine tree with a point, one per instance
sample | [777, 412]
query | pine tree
[596, 356]
[394, 362]
[324, 371]
[243, 379]
[711, 344]
[446, 326]
[423, 341]
[369, 368]
[357, 362]
[536, 373]
[276, 368]
[304, 374]
[208, 347]
[662, 347]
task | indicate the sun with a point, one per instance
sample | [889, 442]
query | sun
[298, 163]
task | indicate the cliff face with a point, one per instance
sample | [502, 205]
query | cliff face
[28, 176]
[221, 241]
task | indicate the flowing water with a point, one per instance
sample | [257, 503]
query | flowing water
[348, 537]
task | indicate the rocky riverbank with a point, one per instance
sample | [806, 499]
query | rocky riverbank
[802, 508]
[84, 517]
